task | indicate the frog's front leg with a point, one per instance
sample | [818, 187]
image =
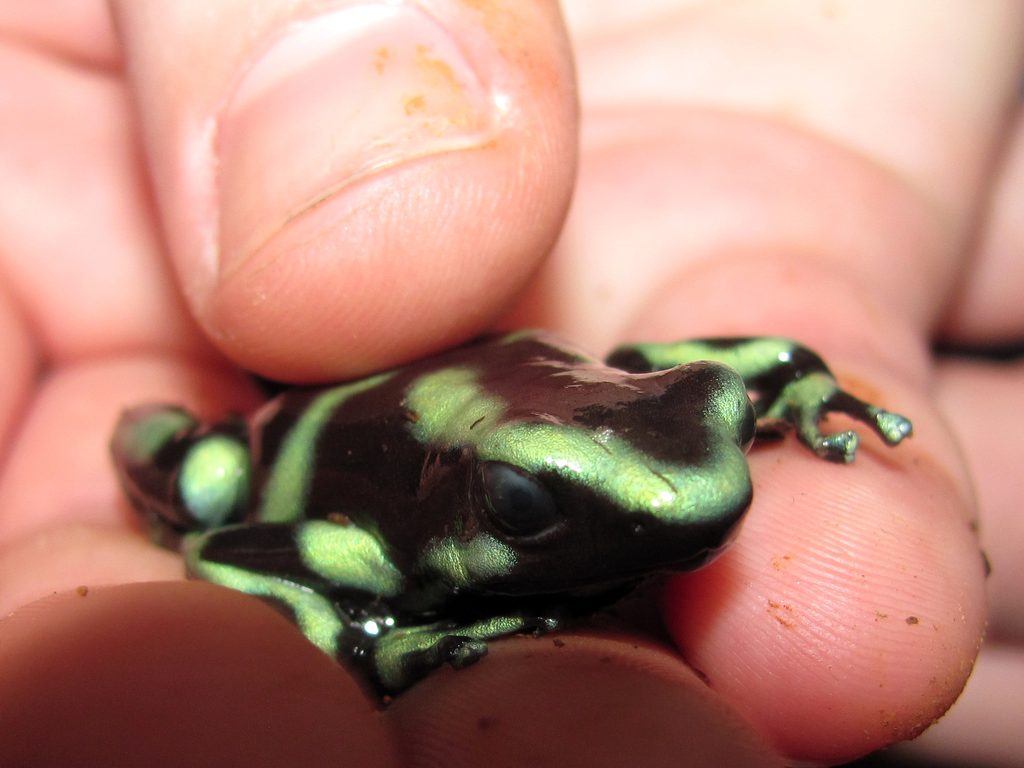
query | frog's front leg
[407, 654]
[791, 384]
[328, 576]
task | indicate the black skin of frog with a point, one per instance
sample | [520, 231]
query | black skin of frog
[507, 486]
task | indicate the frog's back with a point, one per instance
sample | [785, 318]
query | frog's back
[372, 450]
[363, 432]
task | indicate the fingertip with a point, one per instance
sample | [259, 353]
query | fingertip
[66, 434]
[69, 556]
[848, 613]
[392, 270]
[575, 699]
[342, 189]
[176, 674]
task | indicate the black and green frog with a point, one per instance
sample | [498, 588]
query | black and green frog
[507, 486]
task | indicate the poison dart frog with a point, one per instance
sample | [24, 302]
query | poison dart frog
[507, 486]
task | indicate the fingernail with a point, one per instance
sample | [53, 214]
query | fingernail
[339, 98]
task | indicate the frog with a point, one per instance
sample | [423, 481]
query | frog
[512, 485]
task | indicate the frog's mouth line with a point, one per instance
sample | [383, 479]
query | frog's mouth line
[586, 597]
[468, 607]
[587, 584]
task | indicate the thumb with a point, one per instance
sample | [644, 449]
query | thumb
[344, 188]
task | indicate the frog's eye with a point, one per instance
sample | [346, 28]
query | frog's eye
[519, 504]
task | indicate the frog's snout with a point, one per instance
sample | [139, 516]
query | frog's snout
[146, 449]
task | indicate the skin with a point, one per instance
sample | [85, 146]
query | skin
[723, 188]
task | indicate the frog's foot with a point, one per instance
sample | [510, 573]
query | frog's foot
[407, 654]
[459, 651]
[807, 401]
[411, 656]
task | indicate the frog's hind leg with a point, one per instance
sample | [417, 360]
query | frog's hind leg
[332, 580]
[180, 474]
[336, 581]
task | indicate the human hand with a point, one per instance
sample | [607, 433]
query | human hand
[839, 174]
[442, 242]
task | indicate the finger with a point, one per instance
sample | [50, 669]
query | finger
[823, 598]
[342, 189]
[61, 469]
[73, 556]
[771, 142]
[987, 308]
[984, 726]
[976, 398]
[847, 614]
[76, 29]
[793, 64]
[599, 701]
[692, 222]
[175, 674]
[81, 259]
[20, 359]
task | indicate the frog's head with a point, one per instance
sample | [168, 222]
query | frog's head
[589, 477]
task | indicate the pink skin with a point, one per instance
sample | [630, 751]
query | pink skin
[832, 172]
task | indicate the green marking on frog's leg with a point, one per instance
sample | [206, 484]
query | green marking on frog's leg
[284, 495]
[891, 427]
[806, 401]
[407, 654]
[794, 384]
[347, 558]
[752, 358]
[313, 613]
[214, 479]
[802, 403]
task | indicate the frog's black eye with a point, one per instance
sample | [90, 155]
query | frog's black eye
[519, 504]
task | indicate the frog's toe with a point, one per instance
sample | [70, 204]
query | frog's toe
[892, 427]
[540, 625]
[840, 447]
[461, 651]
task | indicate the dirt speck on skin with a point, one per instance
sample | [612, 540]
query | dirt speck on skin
[782, 613]
[831, 9]
[912, 620]
[487, 723]
[82, 590]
